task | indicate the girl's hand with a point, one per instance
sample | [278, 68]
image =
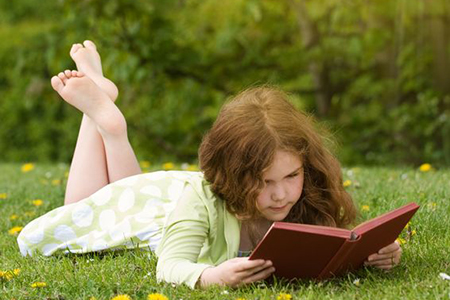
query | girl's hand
[237, 271]
[386, 258]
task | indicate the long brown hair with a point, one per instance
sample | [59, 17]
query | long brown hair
[241, 145]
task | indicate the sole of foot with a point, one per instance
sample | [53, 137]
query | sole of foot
[88, 61]
[83, 93]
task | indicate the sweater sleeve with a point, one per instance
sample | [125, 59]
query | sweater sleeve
[186, 231]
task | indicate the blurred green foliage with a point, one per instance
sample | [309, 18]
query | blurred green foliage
[376, 72]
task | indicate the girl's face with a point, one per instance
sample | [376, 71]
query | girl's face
[283, 186]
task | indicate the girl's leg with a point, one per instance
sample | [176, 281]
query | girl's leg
[88, 170]
[81, 92]
[90, 165]
[120, 157]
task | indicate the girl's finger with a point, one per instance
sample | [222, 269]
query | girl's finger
[245, 264]
[380, 257]
[257, 269]
[389, 248]
[259, 276]
[376, 256]
[380, 262]
[390, 261]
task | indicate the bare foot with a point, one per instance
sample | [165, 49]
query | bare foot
[89, 62]
[82, 92]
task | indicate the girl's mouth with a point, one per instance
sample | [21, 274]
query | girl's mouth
[279, 208]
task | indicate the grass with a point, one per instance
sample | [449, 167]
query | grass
[103, 276]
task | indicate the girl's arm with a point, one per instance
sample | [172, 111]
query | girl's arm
[187, 230]
[386, 258]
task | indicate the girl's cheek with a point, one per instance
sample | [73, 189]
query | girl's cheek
[259, 201]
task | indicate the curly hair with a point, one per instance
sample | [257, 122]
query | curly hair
[241, 145]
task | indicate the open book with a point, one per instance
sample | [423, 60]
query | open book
[310, 251]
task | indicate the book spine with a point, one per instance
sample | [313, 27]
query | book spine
[332, 268]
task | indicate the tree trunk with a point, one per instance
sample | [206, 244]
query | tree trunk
[439, 36]
[311, 38]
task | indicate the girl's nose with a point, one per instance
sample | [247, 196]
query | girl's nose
[278, 193]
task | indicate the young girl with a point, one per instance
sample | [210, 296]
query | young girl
[261, 162]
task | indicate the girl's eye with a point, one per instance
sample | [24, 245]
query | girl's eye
[293, 175]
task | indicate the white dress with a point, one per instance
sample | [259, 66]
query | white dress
[129, 213]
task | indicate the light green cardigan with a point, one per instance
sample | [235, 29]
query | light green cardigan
[199, 233]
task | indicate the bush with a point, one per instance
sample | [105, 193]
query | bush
[374, 77]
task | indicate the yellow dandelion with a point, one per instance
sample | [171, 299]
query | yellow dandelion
[13, 217]
[38, 285]
[413, 232]
[347, 183]
[5, 275]
[56, 182]
[121, 297]
[168, 166]
[401, 241]
[27, 167]
[92, 298]
[241, 299]
[15, 230]
[425, 167]
[8, 275]
[284, 296]
[145, 164]
[365, 208]
[3, 196]
[157, 296]
[37, 202]
[407, 225]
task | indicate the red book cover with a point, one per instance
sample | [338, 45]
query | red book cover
[310, 251]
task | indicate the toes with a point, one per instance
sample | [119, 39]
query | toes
[75, 48]
[68, 73]
[89, 44]
[63, 77]
[77, 73]
[57, 83]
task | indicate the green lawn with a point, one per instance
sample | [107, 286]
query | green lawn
[426, 248]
